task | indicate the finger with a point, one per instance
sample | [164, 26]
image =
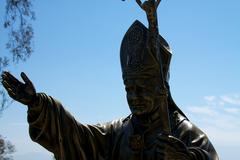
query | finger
[25, 78]
[163, 137]
[10, 78]
[12, 94]
[7, 86]
[172, 143]
[169, 140]
[3, 75]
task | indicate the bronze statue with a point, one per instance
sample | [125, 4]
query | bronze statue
[156, 130]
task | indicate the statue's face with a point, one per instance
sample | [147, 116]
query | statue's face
[141, 95]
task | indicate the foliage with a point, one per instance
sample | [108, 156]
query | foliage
[18, 15]
[6, 149]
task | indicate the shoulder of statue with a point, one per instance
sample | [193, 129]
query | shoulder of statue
[117, 124]
[164, 44]
[183, 128]
[177, 119]
[124, 125]
[194, 138]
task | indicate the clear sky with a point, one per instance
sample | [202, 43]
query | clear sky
[76, 60]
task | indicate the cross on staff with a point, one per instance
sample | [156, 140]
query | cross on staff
[150, 7]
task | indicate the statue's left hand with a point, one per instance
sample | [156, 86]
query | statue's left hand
[170, 148]
[21, 92]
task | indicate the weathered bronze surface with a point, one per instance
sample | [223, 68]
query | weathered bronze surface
[156, 130]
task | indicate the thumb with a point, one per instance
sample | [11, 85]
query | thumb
[25, 78]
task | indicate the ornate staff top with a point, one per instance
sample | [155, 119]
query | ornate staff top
[150, 7]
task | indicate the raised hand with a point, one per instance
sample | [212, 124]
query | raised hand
[21, 92]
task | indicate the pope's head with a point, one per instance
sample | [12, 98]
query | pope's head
[141, 68]
[142, 95]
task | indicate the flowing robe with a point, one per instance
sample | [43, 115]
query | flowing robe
[55, 129]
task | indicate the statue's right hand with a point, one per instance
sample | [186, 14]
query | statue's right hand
[21, 92]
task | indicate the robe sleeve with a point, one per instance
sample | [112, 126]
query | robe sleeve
[196, 140]
[55, 129]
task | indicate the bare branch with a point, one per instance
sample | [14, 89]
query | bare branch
[18, 16]
[6, 149]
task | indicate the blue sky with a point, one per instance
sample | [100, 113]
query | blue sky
[76, 60]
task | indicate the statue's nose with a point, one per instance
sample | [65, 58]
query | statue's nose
[134, 96]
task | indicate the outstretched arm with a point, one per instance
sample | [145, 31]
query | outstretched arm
[53, 127]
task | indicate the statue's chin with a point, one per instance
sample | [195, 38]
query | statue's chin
[138, 110]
